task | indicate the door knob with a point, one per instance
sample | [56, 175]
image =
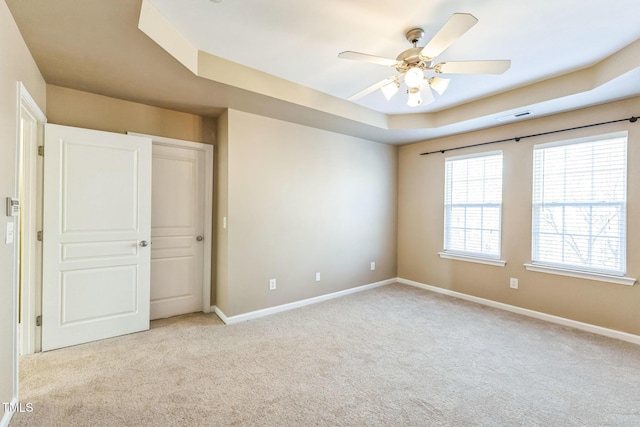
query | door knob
[199, 238]
[144, 243]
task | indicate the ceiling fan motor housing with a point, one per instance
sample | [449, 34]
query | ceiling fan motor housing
[412, 57]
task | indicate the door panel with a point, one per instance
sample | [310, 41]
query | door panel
[99, 182]
[97, 210]
[177, 219]
[88, 295]
[177, 271]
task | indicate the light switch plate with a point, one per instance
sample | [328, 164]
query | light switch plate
[10, 233]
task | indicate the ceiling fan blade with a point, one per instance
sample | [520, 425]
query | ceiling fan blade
[356, 56]
[473, 67]
[456, 26]
[372, 88]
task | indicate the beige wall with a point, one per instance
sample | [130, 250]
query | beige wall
[86, 110]
[16, 64]
[301, 201]
[421, 217]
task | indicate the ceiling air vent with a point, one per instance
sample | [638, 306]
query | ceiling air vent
[515, 116]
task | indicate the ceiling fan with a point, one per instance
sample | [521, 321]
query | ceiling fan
[413, 62]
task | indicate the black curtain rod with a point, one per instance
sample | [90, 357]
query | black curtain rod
[632, 119]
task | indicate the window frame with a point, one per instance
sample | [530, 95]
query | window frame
[471, 256]
[568, 269]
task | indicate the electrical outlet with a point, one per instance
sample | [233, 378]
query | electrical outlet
[317, 277]
[272, 284]
[513, 283]
[373, 265]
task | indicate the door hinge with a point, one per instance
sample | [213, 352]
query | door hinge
[40, 150]
[39, 321]
[39, 236]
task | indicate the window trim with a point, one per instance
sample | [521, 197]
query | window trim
[481, 258]
[580, 274]
[472, 258]
[573, 141]
[573, 270]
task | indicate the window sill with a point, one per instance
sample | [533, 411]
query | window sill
[476, 259]
[620, 280]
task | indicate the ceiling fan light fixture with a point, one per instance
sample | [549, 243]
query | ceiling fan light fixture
[414, 97]
[413, 78]
[439, 84]
[389, 90]
[413, 63]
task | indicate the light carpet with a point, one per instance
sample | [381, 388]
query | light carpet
[390, 356]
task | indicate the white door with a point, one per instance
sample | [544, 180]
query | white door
[96, 223]
[177, 229]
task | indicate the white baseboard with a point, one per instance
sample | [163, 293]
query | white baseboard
[290, 306]
[6, 418]
[611, 333]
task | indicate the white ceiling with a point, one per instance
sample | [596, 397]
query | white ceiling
[566, 54]
[299, 40]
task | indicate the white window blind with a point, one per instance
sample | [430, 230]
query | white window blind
[579, 204]
[473, 204]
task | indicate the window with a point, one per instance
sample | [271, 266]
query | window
[579, 204]
[473, 205]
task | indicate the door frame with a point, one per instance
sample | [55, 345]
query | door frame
[208, 205]
[24, 102]
[29, 170]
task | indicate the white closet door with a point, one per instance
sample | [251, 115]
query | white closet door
[177, 229]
